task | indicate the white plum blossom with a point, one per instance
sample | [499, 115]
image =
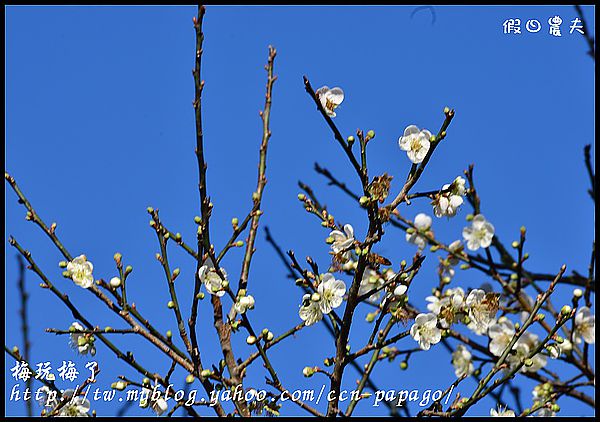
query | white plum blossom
[330, 99]
[452, 307]
[211, 279]
[502, 412]
[526, 344]
[415, 142]
[447, 203]
[480, 234]
[47, 398]
[557, 349]
[462, 361]
[342, 241]
[501, 333]
[481, 310]
[76, 406]
[422, 224]
[332, 293]
[310, 312]
[244, 303]
[585, 326]
[83, 343]
[80, 271]
[159, 406]
[425, 331]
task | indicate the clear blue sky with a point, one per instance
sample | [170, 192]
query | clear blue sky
[100, 125]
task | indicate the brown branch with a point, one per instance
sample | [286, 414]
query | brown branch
[262, 167]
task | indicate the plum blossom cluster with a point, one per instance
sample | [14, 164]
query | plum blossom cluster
[329, 295]
[82, 342]
[76, 406]
[501, 334]
[450, 198]
[418, 234]
[215, 283]
[462, 360]
[477, 310]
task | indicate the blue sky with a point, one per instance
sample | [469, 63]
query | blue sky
[99, 125]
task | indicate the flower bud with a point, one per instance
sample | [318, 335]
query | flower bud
[469, 217]
[363, 200]
[150, 210]
[119, 385]
[170, 304]
[206, 373]
[565, 310]
[301, 197]
[62, 264]
[400, 290]
[350, 139]
[308, 371]
[176, 272]
[370, 317]
[371, 134]
[115, 281]
[239, 243]
[555, 407]
[197, 220]
[315, 297]
[152, 223]
[190, 378]
[515, 244]
[128, 269]
[250, 340]
[528, 362]
[169, 334]
[404, 365]
[200, 296]
[577, 293]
